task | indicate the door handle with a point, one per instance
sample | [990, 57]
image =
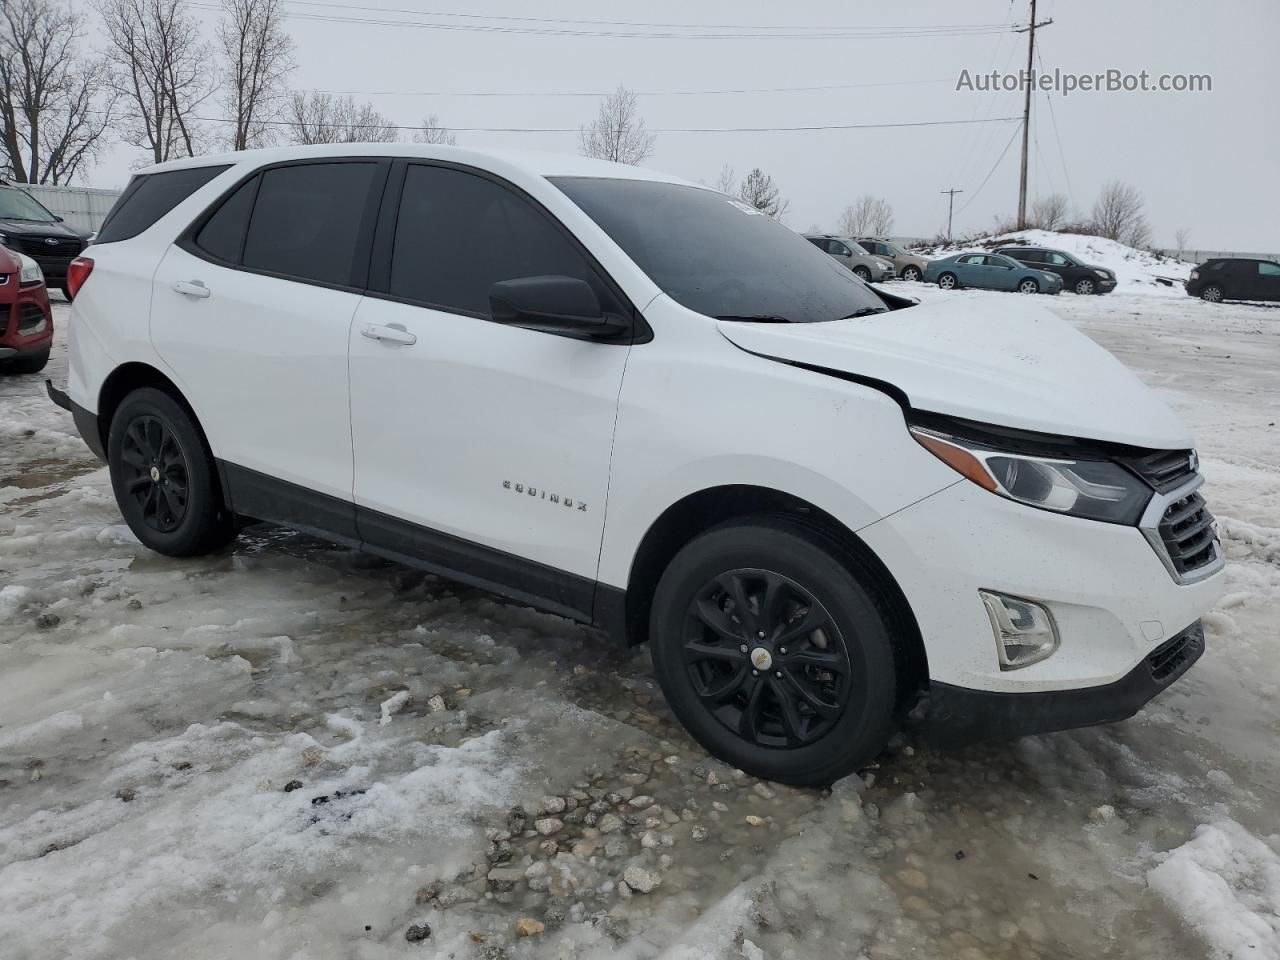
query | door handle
[192, 288]
[389, 332]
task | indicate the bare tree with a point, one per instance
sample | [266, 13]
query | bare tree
[432, 132]
[323, 118]
[761, 192]
[161, 69]
[868, 215]
[54, 111]
[618, 132]
[1118, 214]
[1049, 213]
[258, 55]
[727, 182]
[1182, 237]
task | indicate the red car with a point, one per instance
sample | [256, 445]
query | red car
[26, 323]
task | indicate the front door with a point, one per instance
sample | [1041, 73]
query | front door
[252, 314]
[479, 445]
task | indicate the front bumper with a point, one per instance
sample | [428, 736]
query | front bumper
[1111, 596]
[956, 716]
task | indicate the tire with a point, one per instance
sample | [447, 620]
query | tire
[1028, 286]
[863, 274]
[31, 363]
[153, 438]
[948, 281]
[805, 705]
[1212, 293]
[1085, 287]
[911, 272]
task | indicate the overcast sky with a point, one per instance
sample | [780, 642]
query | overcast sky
[1206, 162]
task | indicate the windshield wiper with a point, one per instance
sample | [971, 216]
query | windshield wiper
[757, 319]
[865, 312]
[25, 219]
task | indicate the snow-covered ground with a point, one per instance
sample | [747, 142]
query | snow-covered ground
[1136, 270]
[292, 751]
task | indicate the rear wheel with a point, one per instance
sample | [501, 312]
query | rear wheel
[1084, 287]
[911, 272]
[948, 281]
[164, 477]
[773, 655]
[31, 363]
[1212, 293]
[1028, 286]
[862, 273]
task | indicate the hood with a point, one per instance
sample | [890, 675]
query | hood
[999, 361]
[50, 229]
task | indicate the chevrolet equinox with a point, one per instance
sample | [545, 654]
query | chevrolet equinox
[632, 401]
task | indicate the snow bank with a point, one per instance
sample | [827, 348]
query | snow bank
[1136, 270]
[1225, 883]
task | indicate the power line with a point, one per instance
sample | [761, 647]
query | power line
[639, 93]
[627, 23]
[1061, 156]
[974, 196]
[805, 127]
[770, 35]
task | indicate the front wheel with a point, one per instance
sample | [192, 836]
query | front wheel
[1084, 287]
[164, 477]
[773, 655]
[863, 274]
[1212, 293]
[1028, 286]
[911, 272]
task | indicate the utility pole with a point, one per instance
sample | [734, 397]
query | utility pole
[951, 202]
[1030, 31]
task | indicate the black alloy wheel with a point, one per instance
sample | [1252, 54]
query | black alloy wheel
[156, 474]
[766, 658]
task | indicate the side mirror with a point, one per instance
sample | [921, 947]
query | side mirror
[565, 306]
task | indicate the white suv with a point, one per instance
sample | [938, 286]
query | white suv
[631, 401]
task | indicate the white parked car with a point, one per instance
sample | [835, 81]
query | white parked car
[631, 401]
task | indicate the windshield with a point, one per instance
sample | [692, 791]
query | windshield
[16, 205]
[719, 256]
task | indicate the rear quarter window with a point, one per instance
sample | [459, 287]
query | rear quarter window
[149, 197]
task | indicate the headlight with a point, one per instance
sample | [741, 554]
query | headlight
[31, 272]
[1093, 489]
[1103, 274]
[4, 239]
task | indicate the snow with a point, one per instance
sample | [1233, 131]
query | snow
[1226, 882]
[156, 714]
[1135, 270]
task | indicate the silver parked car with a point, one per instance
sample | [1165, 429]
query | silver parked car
[909, 265]
[852, 255]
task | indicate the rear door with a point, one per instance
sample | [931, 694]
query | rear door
[1268, 280]
[480, 446]
[252, 309]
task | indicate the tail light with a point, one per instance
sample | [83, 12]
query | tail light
[78, 271]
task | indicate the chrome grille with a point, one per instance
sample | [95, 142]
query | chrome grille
[1164, 469]
[1187, 532]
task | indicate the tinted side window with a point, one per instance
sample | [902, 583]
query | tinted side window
[307, 219]
[818, 242]
[841, 249]
[1268, 269]
[149, 197]
[458, 234]
[223, 233]
[972, 258]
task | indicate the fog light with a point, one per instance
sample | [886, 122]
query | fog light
[1025, 631]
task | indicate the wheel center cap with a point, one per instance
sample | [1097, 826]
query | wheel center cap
[155, 474]
[761, 658]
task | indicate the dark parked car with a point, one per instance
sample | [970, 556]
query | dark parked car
[1225, 278]
[1083, 278]
[26, 226]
